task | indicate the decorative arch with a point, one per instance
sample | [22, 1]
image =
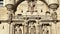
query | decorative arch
[16, 5]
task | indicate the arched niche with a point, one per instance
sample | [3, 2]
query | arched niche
[18, 29]
[39, 9]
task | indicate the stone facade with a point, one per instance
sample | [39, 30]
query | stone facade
[30, 17]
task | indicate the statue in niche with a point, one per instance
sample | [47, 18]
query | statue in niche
[18, 30]
[45, 30]
[33, 30]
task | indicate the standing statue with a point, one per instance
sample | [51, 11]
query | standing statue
[18, 30]
[45, 30]
[33, 30]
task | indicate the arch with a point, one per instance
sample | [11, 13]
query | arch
[16, 5]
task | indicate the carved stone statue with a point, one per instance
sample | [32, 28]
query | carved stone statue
[18, 30]
[45, 30]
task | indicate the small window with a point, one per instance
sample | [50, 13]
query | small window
[1, 3]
